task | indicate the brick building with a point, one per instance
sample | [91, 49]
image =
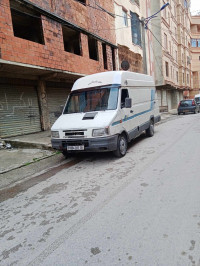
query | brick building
[195, 51]
[170, 52]
[44, 47]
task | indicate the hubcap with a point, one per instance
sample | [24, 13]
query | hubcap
[122, 146]
[152, 128]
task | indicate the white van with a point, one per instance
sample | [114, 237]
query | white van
[105, 111]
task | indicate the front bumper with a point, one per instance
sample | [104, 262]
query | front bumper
[90, 145]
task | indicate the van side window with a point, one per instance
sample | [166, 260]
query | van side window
[124, 95]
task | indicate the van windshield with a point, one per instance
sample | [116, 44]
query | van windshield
[92, 99]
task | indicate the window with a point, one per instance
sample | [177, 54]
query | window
[167, 68]
[176, 54]
[165, 40]
[124, 95]
[137, 2]
[168, 18]
[104, 56]
[175, 30]
[135, 29]
[193, 43]
[72, 41]
[177, 76]
[125, 18]
[27, 24]
[113, 58]
[185, 4]
[81, 1]
[93, 48]
[164, 11]
[199, 58]
[187, 78]
[183, 78]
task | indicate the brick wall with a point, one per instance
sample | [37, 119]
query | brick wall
[52, 54]
[135, 60]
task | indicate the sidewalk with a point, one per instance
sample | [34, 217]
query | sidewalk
[31, 148]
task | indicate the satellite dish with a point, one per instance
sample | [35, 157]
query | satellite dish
[125, 65]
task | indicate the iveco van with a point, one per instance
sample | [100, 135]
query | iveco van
[105, 111]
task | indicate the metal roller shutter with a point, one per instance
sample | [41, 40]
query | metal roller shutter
[19, 110]
[56, 100]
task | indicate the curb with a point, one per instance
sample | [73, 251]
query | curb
[28, 163]
[23, 144]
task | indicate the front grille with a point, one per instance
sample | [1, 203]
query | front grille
[74, 133]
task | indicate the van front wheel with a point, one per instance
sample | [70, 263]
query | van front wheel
[66, 154]
[150, 130]
[121, 146]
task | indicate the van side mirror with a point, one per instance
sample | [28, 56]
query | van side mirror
[128, 103]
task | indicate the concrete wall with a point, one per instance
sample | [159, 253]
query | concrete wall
[127, 50]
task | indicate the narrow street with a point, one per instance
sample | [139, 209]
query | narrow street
[142, 209]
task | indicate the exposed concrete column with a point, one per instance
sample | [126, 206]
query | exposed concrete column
[45, 121]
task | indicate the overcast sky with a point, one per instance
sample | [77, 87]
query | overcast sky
[195, 5]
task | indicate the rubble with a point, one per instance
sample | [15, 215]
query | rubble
[4, 145]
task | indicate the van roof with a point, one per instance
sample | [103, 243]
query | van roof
[122, 78]
[197, 95]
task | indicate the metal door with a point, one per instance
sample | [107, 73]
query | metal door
[56, 98]
[19, 110]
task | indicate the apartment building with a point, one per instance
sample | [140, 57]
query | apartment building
[44, 47]
[195, 53]
[128, 29]
[170, 51]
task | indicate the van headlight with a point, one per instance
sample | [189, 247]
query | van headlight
[55, 134]
[100, 132]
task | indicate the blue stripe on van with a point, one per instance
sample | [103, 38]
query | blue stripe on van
[138, 114]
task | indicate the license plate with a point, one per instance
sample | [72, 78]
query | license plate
[75, 148]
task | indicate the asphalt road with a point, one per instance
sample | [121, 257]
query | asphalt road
[143, 209]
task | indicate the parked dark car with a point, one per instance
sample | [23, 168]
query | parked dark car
[188, 106]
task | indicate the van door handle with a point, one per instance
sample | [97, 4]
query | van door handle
[131, 111]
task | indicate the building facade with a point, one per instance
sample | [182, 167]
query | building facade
[44, 47]
[170, 51]
[195, 53]
[129, 34]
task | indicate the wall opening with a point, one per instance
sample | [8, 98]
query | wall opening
[105, 63]
[27, 24]
[113, 58]
[72, 40]
[81, 1]
[93, 48]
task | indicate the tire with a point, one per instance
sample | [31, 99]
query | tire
[150, 130]
[195, 112]
[121, 146]
[65, 153]
[179, 113]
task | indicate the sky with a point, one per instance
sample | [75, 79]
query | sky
[195, 5]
